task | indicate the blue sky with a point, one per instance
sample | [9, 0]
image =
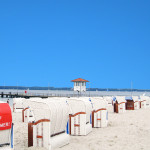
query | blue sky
[105, 42]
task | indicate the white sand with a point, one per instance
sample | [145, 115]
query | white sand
[128, 131]
[5, 148]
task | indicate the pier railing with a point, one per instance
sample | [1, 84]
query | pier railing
[59, 93]
[43, 95]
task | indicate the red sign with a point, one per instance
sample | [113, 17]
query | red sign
[25, 92]
[5, 116]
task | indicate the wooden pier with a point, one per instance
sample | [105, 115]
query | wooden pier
[19, 95]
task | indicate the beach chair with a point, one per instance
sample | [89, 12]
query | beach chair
[49, 121]
[120, 104]
[5, 124]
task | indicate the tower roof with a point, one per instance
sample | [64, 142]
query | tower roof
[79, 80]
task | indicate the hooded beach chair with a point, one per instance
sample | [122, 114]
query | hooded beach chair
[47, 128]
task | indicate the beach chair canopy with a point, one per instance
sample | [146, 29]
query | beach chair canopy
[109, 99]
[98, 103]
[80, 105]
[55, 110]
[136, 98]
[5, 116]
[147, 98]
[128, 98]
[120, 99]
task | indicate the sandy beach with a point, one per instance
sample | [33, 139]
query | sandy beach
[130, 130]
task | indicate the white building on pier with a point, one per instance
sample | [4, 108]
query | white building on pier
[80, 84]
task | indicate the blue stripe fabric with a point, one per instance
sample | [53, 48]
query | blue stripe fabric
[107, 116]
[12, 135]
[128, 98]
[114, 98]
[67, 127]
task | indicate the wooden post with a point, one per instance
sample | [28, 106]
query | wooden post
[30, 134]
[30, 131]
[70, 124]
[114, 107]
[23, 113]
[10, 95]
[13, 107]
[93, 119]
[2, 95]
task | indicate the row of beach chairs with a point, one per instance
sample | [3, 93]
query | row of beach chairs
[121, 104]
[52, 121]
